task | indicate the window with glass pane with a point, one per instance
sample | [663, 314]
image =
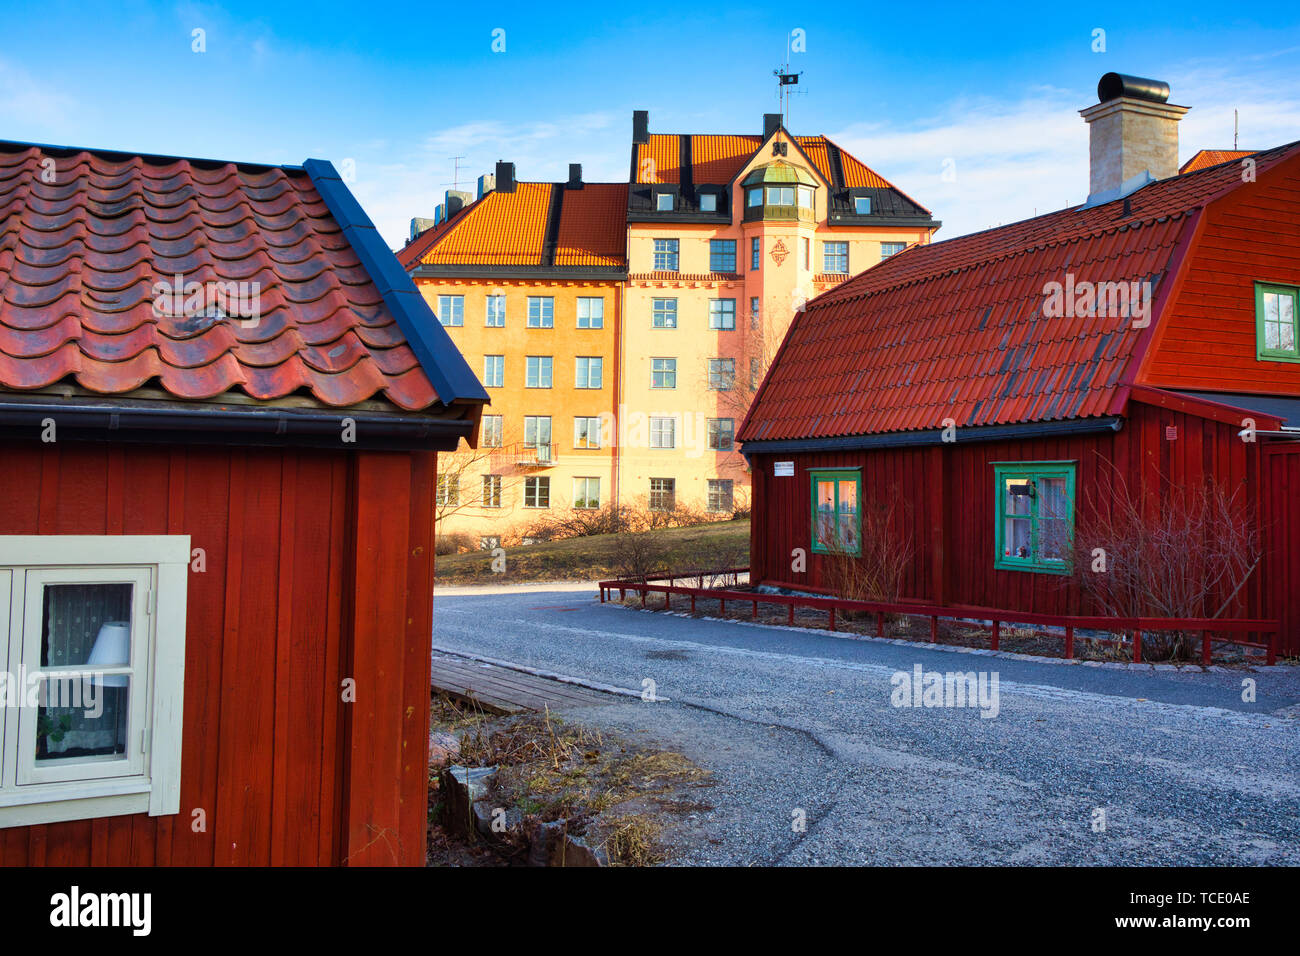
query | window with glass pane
[1034, 515]
[591, 312]
[537, 492]
[665, 255]
[708, 202]
[588, 371]
[491, 432]
[888, 249]
[722, 433]
[663, 373]
[780, 195]
[663, 494]
[836, 523]
[720, 495]
[448, 490]
[1276, 311]
[835, 257]
[722, 373]
[862, 205]
[491, 491]
[541, 312]
[664, 202]
[451, 310]
[586, 493]
[537, 369]
[755, 253]
[586, 432]
[537, 431]
[754, 316]
[496, 311]
[722, 255]
[755, 372]
[805, 194]
[663, 432]
[754, 197]
[722, 314]
[494, 371]
[664, 313]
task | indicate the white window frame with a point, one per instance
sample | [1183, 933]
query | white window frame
[591, 312]
[494, 314]
[663, 431]
[451, 311]
[588, 371]
[592, 425]
[148, 778]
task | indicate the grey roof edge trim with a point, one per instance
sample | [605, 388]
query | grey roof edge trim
[437, 354]
[1073, 426]
[490, 271]
[1285, 407]
[127, 154]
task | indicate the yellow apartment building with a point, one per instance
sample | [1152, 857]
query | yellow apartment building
[623, 328]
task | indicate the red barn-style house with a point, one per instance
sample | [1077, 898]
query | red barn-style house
[998, 382]
[220, 403]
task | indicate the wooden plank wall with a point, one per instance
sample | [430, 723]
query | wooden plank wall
[270, 633]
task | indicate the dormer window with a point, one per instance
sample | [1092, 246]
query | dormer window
[754, 197]
[862, 205]
[663, 202]
[780, 190]
[708, 202]
[780, 195]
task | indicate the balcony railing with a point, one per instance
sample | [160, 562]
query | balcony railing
[533, 455]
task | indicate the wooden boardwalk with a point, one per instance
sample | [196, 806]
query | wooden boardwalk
[501, 690]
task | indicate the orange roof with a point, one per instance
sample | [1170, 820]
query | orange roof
[1212, 157]
[955, 330]
[659, 160]
[593, 226]
[510, 229]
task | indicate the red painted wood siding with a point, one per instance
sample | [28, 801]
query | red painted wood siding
[1282, 520]
[319, 567]
[949, 501]
[1207, 340]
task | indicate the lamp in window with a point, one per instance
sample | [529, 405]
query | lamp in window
[112, 648]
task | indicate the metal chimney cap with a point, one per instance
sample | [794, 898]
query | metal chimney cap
[1114, 85]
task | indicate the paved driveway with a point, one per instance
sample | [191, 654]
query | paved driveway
[1073, 764]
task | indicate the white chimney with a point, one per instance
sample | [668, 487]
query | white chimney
[1133, 136]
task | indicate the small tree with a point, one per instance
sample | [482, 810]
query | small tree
[877, 573]
[1185, 554]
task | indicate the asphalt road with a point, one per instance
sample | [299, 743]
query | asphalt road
[1072, 765]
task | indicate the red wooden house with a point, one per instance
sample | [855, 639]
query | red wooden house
[220, 403]
[955, 376]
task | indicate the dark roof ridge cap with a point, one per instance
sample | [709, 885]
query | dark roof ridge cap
[132, 154]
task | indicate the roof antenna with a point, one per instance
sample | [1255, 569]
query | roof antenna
[1234, 131]
[785, 78]
[455, 176]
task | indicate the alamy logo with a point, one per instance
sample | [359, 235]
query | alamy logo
[922, 688]
[179, 299]
[1073, 299]
[76, 908]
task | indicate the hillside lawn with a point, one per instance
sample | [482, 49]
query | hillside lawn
[593, 558]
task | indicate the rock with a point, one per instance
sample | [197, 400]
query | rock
[484, 815]
[573, 851]
[542, 841]
[443, 748]
[462, 787]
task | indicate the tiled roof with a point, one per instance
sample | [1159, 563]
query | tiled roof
[510, 229]
[1212, 157]
[85, 236]
[954, 329]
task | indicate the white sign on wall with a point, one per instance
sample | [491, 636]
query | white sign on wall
[783, 469]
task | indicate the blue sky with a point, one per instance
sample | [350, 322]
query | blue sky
[400, 89]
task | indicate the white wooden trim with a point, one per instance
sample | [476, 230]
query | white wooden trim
[169, 687]
[91, 550]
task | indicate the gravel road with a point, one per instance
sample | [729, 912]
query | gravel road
[1071, 765]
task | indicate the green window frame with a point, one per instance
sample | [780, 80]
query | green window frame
[836, 510]
[1033, 515]
[1275, 324]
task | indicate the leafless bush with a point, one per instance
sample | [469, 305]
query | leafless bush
[1186, 554]
[709, 563]
[640, 554]
[454, 542]
[886, 552]
[579, 523]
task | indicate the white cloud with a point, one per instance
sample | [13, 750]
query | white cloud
[27, 99]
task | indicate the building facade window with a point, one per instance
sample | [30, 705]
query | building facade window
[754, 317]
[492, 492]
[494, 371]
[489, 542]
[666, 255]
[722, 433]
[663, 494]
[720, 497]
[1276, 311]
[708, 202]
[591, 312]
[862, 205]
[97, 626]
[537, 492]
[780, 195]
[835, 257]
[537, 371]
[722, 314]
[755, 372]
[836, 522]
[586, 493]
[586, 432]
[496, 312]
[755, 254]
[663, 373]
[663, 313]
[754, 197]
[807, 253]
[722, 373]
[448, 490]
[537, 434]
[490, 433]
[722, 255]
[451, 310]
[664, 202]
[541, 312]
[888, 249]
[1034, 515]
[588, 371]
[663, 432]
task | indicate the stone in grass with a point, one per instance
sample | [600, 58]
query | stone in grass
[543, 839]
[443, 748]
[574, 851]
[506, 820]
[462, 787]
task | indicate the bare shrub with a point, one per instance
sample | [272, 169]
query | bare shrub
[1186, 554]
[710, 563]
[886, 552]
[638, 555]
[454, 542]
[579, 523]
